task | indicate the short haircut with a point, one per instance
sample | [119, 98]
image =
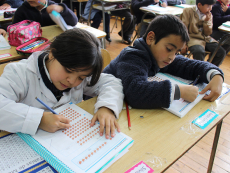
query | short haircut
[165, 25]
[203, 2]
[78, 50]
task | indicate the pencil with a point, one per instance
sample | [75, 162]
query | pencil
[46, 106]
[128, 117]
[195, 81]
[41, 3]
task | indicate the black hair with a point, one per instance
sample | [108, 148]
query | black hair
[203, 2]
[78, 50]
[164, 25]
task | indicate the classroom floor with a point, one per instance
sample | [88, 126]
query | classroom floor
[196, 159]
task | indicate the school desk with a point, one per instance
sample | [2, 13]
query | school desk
[2, 19]
[48, 32]
[102, 7]
[224, 28]
[170, 10]
[162, 137]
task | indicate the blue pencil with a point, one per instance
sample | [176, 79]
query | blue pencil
[46, 106]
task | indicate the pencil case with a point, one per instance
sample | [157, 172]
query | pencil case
[33, 45]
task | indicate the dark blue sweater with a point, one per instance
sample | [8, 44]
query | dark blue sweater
[26, 12]
[219, 16]
[136, 63]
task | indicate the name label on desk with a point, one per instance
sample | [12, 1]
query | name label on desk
[205, 119]
[5, 55]
[141, 167]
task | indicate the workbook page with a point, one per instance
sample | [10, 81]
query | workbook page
[81, 147]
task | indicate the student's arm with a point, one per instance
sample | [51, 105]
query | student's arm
[15, 116]
[14, 3]
[109, 102]
[2, 32]
[136, 4]
[19, 15]
[218, 18]
[185, 17]
[207, 24]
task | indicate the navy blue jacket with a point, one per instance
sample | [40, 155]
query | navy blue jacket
[14, 3]
[26, 12]
[136, 4]
[136, 63]
[219, 16]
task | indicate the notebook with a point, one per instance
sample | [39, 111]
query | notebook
[179, 107]
[3, 43]
[156, 8]
[79, 148]
[17, 156]
[226, 24]
[184, 6]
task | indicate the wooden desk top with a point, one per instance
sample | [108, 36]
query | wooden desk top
[170, 10]
[2, 19]
[48, 32]
[159, 133]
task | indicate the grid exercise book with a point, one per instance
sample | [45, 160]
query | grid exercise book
[178, 107]
[79, 148]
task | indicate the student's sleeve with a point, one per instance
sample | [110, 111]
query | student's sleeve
[68, 15]
[109, 91]
[207, 27]
[218, 19]
[15, 116]
[19, 15]
[14, 3]
[136, 4]
[190, 69]
[139, 92]
[185, 17]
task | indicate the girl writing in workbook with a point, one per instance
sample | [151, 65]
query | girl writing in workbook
[72, 67]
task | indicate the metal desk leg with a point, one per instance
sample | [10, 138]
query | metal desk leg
[214, 147]
[103, 16]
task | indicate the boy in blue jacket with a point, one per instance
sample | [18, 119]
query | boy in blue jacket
[156, 52]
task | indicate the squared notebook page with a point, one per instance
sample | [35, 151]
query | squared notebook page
[3, 43]
[178, 107]
[80, 147]
[17, 156]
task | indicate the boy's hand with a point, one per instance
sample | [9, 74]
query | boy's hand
[208, 16]
[215, 85]
[224, 7]
[5, 6]
[164, 4]
[188, 92]
[51, 122]
[57, 8]
[3, 32]
[107, 120]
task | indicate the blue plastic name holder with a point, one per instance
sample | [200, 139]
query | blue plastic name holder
[205, 119]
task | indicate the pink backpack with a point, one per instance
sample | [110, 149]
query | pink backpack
[23, 31]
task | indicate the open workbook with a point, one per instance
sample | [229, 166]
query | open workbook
[179, 107]
[79, 148]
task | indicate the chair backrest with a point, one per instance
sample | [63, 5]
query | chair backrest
[106, 57]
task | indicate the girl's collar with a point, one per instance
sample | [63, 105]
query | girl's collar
[221, 2]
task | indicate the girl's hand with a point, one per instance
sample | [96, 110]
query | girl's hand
[5, 6]
[57, 8]
[107, 120]
[215, 85]
[188, 92]
[224, 7]
[51, 122]
[3, 32]
[164, 4]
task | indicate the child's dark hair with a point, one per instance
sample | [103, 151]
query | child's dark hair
[76, 49]
[203, 2]
[164, 25]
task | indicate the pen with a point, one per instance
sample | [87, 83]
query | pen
[195, 81]
[46, 106]
[41, 3]
[128, 117]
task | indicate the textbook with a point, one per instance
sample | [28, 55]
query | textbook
[80, 148]
[226, 24]
[179, 107]
[184, 6]
[17, 156]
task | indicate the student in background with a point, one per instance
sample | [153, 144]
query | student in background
[198, 20]
[35, 11]
[72, 67]
[157, 52]
[137, 4]
[4, 5]
[175, 2]
[221, 14]
[128, 24]
[96, 17]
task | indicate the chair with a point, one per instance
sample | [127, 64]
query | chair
[115, 23]
[106, 57]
